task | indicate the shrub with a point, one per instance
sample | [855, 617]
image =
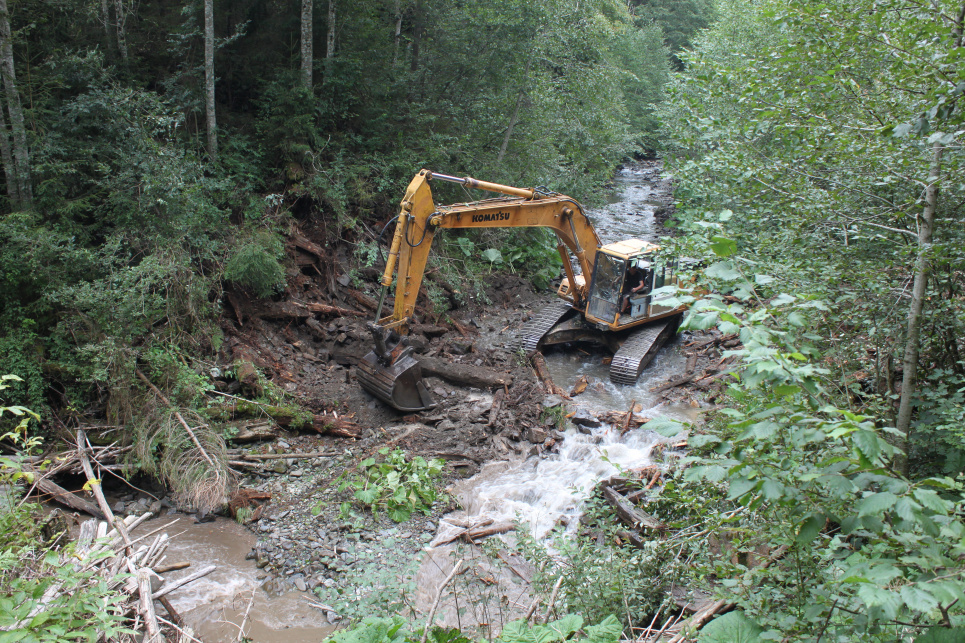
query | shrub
[255, 263]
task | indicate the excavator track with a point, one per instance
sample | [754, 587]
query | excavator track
[639, 349]
[529, 337]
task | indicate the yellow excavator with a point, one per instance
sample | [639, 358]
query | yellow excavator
[596, 303]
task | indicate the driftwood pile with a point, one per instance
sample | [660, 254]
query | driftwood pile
[626, 494]
[133, 567]
[130, 566]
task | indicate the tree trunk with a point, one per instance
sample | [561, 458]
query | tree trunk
[509, 130]
[106, 20]
[307, 44]
[416, 36]
[209, 79]
[515, 117]
[398, 32]
[330, 38]
[121, 17]
[21, 154]
[926, 224]
[9, 169]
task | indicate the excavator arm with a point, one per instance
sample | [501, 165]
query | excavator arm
[420, 218]
[390, 372]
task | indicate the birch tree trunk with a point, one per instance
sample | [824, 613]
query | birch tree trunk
[9, 169]
[21, 154]
[416, 36]
[926, 226]
[307, 36]
[398, 32]
[209, 79]
[330, 38]
[121, 18]
[106, 20]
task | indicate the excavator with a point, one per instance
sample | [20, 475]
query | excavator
[595, 304]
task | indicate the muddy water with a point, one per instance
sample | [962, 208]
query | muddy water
[214, 606]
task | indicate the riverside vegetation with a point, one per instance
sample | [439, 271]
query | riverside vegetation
[817, 149]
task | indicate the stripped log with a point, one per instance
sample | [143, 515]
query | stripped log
[147, 607]
[464, 374]
[170, 587]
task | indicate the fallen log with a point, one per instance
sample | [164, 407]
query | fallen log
[362, 299]
[478, 534]
[674, 382]
[325, 309]
[331, 424]
[170, 587]
[494, 409]
[630, 515]
[255, 432]
[464, 374]
[539, 364]
[302, 243]
[283, 310]
[238, 307]
[65, 497]
[466, 528]
[618, 418]
[699, 619]
[691, 363]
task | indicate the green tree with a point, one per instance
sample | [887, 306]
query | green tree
[838, 184]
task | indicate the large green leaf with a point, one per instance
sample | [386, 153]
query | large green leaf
[942, 635]
[733, 627]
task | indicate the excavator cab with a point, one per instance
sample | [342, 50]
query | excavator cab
[616, 266]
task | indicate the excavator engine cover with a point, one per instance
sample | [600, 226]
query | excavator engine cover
[395, 377]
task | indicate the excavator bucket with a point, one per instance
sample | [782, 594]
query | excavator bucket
[393, 375]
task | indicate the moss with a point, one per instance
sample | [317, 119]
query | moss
[290, 416]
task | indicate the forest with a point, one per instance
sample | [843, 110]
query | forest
[156, 156]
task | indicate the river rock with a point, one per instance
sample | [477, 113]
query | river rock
[280, 466]
[537, 435]
[460, 348]
[300, 584]
[585, 418]
[119, 507]
[551, 401]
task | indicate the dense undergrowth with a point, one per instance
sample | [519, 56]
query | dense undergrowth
[123, 222]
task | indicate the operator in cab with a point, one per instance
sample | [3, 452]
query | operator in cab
[634, 283]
